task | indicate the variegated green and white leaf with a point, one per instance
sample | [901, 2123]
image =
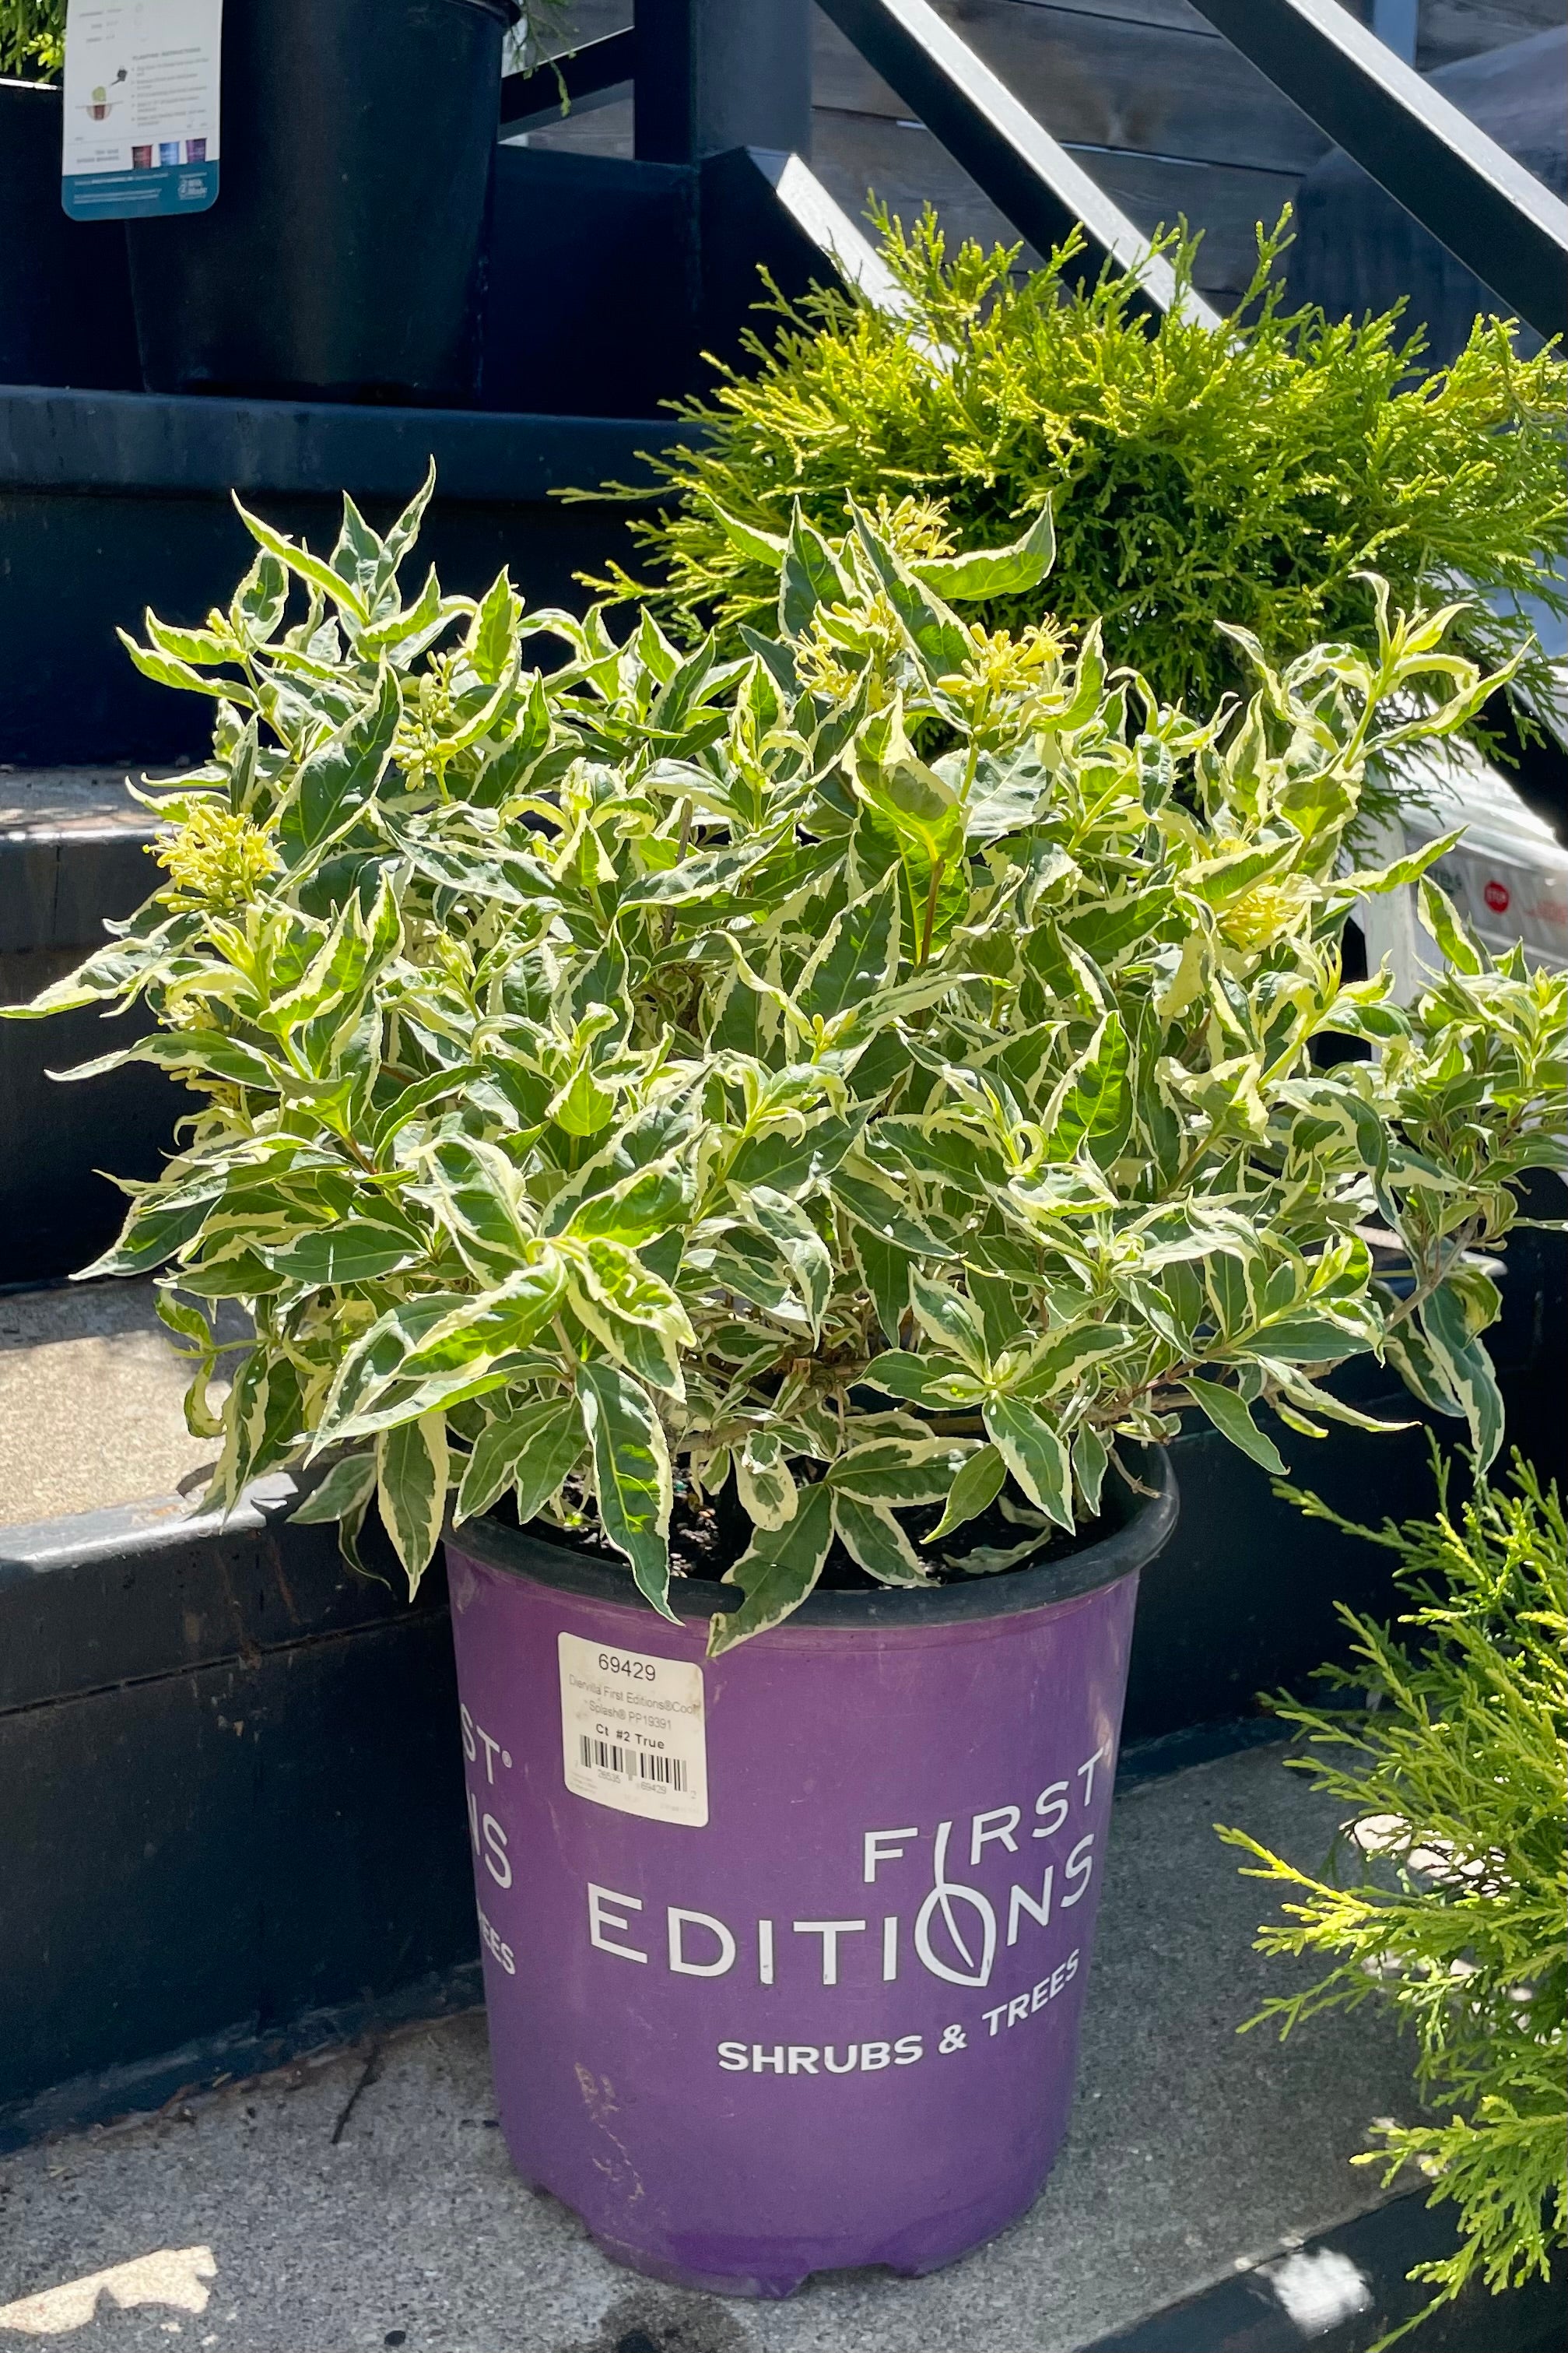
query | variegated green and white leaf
[1090, 1458]
[775, 1572]
[1064, 1361]
[859, 957]
[1467, 1370]
[347, 1488]
[360, 1249]
[798, 1243]
[261, 1427]
[1232, 1417]
[941, 1383]
[764, 1481]
[1036, 1453]
[949, 1320]
[892, 1016]
[870, 1534]
[532, 1450]
[411, 1482]
[901, 1471]
[631, 1474]
[634, 1313]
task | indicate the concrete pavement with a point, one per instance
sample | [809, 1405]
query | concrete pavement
[363, 2198]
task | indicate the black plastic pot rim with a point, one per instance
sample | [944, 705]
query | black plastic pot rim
[1145, 1532]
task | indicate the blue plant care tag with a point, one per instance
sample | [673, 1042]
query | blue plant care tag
[142, 80]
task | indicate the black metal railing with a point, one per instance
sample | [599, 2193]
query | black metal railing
[1461, 187]
[1490, 212]
[1030, 178]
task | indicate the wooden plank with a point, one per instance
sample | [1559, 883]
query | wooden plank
[1448, 29]
[1451, 29]
[852, 155]
[603, 131]
[841, 78]
[1095, 81]
[1226, 200]
[1157, 107]
[587, 20]
[907, 169]
[1177, 15]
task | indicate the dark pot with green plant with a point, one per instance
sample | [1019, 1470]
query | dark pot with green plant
[343, 259]
[65, 296]
[771, 1194]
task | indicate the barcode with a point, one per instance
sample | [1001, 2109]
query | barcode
[632, 1763]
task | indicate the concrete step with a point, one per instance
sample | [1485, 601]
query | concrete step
[73, 853]
[73, 801]
[362, 2197]
[90, 1403]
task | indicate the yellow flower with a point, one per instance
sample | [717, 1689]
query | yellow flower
[913, 527]
[216, 859]
[1002, 671]
[1258, 918]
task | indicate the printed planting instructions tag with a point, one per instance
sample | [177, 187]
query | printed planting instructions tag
[140, 108]
[632, 1732]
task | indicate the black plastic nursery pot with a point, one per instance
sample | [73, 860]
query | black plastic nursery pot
[342, 260]
[785, 1950]
[65, 305]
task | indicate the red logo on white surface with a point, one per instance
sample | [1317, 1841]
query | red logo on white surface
[1496, 895]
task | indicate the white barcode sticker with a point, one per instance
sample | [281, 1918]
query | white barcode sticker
[632, 1731]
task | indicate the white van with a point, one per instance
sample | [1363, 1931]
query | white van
[1508, 877]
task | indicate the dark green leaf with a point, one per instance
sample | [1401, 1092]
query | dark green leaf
[532, 1450]
[631, 1474]
[1034, 1453]
[1232, 1417]
[975, 1489]
[411, 1486]
[775, 1572]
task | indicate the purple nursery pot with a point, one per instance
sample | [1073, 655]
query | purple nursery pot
[785, 1951]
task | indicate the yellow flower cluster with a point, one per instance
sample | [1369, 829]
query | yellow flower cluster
[868, 631]
[1259, 916]
[216, 859]
[1001, 664]
[913, 527]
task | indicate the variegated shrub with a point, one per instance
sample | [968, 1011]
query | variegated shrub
[876, 1072]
